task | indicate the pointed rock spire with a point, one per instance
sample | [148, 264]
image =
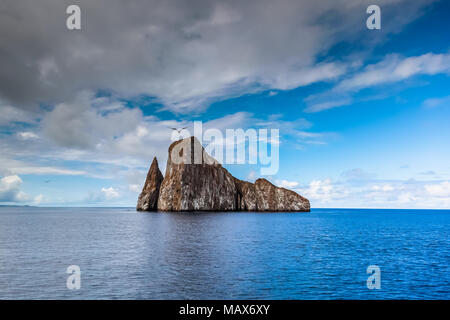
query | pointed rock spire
[148, 199]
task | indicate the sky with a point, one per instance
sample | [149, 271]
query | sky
[362, 114]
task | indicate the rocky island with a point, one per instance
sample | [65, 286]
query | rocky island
[200, 183]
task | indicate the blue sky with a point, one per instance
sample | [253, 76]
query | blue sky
[363, 114]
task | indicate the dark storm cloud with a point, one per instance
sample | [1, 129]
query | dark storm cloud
[184, 52]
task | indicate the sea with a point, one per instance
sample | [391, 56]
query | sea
[118, 253]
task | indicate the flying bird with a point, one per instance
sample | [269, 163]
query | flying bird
[178, 130]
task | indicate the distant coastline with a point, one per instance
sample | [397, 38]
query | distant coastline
[16, 206]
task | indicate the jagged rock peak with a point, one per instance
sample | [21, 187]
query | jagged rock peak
[195, 181]
[148, 199]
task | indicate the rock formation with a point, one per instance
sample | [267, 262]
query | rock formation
[148, 199]
[194, 181]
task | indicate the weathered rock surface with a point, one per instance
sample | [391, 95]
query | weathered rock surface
[246, 195]
[194, 181]
[272, 198]
[148, 199]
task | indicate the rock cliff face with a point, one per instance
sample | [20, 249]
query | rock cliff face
[272, 198]
[148, 199]
[194, 181]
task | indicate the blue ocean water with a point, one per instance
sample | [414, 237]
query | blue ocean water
[124, 254]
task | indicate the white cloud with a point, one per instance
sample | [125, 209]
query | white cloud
[10, 189]
[224, 14]
[106, 196]
[10, 182]
[137, 188]
[321, 192]
[441, 190]
[287, 184]
[26, 135]
[110, 193]
[317, 107]
[291, 79]
[374, 193]
[378, 194]
[437, 102]
[384, 188]
[406, 198]
[395, 68]
[17, 167]
[46, 171]
[11, 115]
[251, 176]
[371, 194]
[84, 123]
[38, 199]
